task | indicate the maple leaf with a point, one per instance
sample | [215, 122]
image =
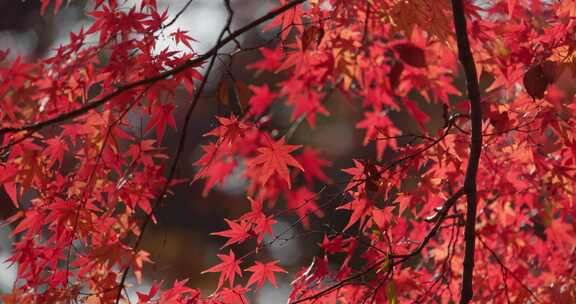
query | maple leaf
[360, 206]
[236, 295]
[215, 173]
[378, 124]
[237, 233]
[255, 210]
[215, 166]
[303, 202]
[228, 269]
[161, 116]
[335, 245]
[272, 59]
[275, 159]
[316, 271]
[376, 55]
[179, 293]
[263, 272]
[537, 79]
[287, 21]
[56, 149]
[261, 224]
[308, 104]
[145, 297]
[229, 129]
[182, 36]
[415, 112]
[311, 160]
[261, 99]
[263, 227]
[138, 264]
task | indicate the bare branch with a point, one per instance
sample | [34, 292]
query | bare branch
[180, 12]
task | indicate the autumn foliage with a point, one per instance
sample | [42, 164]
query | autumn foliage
[477, 202]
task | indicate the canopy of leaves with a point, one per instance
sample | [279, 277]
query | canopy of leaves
[88, 179]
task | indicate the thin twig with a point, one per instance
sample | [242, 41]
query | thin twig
[507, 270]
[180, 12]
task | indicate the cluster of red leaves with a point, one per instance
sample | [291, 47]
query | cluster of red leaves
[87, 180]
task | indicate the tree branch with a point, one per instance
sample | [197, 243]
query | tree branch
[180, 12]
[467, 60]
[391, 258]
[441, 216]
[221, 41]
[35, 127]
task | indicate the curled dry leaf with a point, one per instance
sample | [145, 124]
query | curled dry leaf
[223, 94]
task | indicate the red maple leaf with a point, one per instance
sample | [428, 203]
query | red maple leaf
[229, 129]
[313, 162]
[303, 202]
[237, 233]
[161, 116]
[228, 269]
[56, 149]
[145, 297]
[271, 61]
[261, 99]
[236, 295]
[309, 105]
[178, 293]
[378, 127]
[263, 226]
[275, 159]
[361, 207]
[415, 112]
[212, 168]
[138, 264]
[263, 272]
[215, 173]
[287, 20]
[181, 36]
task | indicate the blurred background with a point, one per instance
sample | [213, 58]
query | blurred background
[181, 245]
